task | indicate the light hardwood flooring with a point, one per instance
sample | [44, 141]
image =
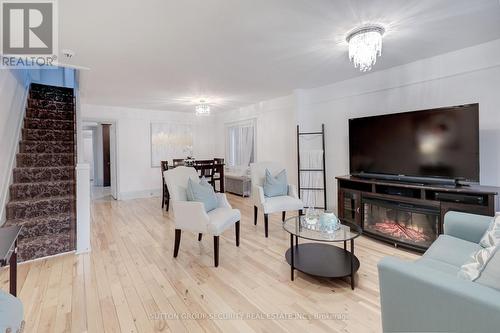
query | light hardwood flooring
[131, 283]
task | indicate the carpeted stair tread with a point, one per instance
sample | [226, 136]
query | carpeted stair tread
[49, 114]
[44, 225]
[35, 174]
[49, 124]
[23, 191]
[48, 147]
[29, 208]
[44, 87]
[44, 246]
[48, 135]
[43, 160]
[53, 96]
[49, 104]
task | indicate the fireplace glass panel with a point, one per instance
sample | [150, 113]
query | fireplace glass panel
[409, 224]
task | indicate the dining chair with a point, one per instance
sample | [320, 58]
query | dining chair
[191, 215]
[177, 162]
[205, 169]
[217, 173]
[165, 196]
[269, 205]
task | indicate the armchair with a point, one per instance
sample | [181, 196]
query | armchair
[271, 205]
[191, 215]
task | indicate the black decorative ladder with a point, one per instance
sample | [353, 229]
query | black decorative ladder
[301, 170]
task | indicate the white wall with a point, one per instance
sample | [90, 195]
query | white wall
[276, 128]
[466, 76]
[136, 177]
[13, 92]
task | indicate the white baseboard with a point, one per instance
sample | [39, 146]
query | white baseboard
[48, 257]
[152, 193]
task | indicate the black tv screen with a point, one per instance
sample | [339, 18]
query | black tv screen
[441, 143]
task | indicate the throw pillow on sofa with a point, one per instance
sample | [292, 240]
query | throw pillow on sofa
[202, 192]
[275, 186]
[490, 275]
[478, 264]
[492, 235]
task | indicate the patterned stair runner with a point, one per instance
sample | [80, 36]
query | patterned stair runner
[42, 196]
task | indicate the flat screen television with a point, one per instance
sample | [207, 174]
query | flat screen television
[432, 144]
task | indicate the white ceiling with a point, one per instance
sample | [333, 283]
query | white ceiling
[164, 54]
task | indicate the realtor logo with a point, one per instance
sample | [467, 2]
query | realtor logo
[29, 36]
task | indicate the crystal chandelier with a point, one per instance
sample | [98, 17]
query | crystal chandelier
[365, 45]
[203, 108]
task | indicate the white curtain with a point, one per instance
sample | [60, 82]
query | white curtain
[240, 144]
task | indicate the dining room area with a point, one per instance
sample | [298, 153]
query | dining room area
[212, 170]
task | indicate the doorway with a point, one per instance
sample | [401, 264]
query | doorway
[100, 153]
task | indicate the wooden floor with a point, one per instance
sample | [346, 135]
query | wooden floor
[131, 283]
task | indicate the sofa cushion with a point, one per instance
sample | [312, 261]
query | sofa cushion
[202, 192]
[275, 186]
[491, 273]
[451, 250]
[221, 219]
[282, 204]
[492, 236]
[441, 266]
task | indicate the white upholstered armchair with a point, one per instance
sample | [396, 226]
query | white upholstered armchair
[269, 205]
[191, 215]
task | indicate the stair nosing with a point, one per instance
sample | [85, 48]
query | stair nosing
[45, 153]
[11, 222]
[47, 167]
[43, 199]
[45, 182]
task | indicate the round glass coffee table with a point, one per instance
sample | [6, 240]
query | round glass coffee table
[322, 259]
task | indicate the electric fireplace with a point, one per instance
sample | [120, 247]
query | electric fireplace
[412, 225]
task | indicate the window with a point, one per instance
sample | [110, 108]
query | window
[240, 144]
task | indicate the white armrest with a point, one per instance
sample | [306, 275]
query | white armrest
[190, 215]
[258, 195]
[222, 199]
[292, 191]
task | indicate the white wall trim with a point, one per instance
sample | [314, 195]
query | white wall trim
[83, 218]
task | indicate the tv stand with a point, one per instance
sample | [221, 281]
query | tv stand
[408, 214]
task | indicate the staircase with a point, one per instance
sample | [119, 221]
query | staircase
[42, 196]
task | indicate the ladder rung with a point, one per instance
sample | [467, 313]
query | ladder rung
[311, 133]
[311, 189]
[311, 170]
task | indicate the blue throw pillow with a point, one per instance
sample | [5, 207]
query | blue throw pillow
[275, 186]
[202, 192]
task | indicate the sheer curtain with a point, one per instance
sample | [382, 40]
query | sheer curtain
[240, 144]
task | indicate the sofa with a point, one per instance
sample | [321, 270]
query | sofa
[11, 313]
[427, 296]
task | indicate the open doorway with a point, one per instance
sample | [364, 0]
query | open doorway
[99, 152]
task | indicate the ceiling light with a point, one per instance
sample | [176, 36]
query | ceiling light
[365, 45]
[203, 108]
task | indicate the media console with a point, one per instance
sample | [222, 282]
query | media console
[407, 214]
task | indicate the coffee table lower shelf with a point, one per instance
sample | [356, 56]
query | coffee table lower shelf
[323, 260]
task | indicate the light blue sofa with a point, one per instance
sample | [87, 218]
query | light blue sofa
[11, 313]
[427, 296]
